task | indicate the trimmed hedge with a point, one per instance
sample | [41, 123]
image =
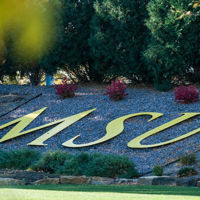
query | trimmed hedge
[158, 170]
[188, 159]
[19, 159]
[64, 163]
[86, 164]
[187, 171]
[51, 162]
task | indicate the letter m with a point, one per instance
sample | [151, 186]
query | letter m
[23, 122]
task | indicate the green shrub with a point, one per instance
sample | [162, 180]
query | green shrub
[76, 165]
[111, 166]
[162, 85]
[158, 170]
[189, 159]
[115, 42]
[172, 49]
[187, 171]
[86, 164]
[19, 159]
[51, 161]
[100, 165]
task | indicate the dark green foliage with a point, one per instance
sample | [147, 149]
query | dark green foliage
[7, 64]
[103, 38]
[188, 159]
[55, 55]
[110, 166]
[87, 164]
[77, 165]
[174, 46]
[53, 59]
[187, 171]
[116, 41]
[163, 85]
[77, 20]
[19, 159]
[48, 62]
[98, 40]
[158, 170]
[51, 161]
[100, 165]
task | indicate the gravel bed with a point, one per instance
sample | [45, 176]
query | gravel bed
[92, 127]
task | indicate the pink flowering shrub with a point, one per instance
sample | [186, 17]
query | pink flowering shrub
[65, 89]
[186, 94]
[117, 90]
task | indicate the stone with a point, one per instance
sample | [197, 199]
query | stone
[74, 180]
[101, 180]
[146, 180]
[28, 176]
[11, 181]
[47, 181]
[157, 180]
[188, 181]
[197, 177]
[135, 181]
[126, 181]
[164, 180]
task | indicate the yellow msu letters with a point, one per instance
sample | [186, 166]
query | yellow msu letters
[113, 129]
[136, 142]
[26, 120]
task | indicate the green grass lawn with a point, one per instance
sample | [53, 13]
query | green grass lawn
[88, 192]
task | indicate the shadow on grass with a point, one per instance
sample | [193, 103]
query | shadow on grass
[161, 190]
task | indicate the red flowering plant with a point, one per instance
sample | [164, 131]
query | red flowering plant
[186, 94]
[66, 89]
[117, 90]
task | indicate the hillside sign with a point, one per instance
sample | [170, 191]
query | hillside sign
[113, 129]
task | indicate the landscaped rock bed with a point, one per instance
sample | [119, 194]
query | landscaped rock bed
[19, 177]
[12, 101]
[92, 127]
[25, 177]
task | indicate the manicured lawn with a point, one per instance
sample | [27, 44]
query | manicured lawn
[74, 192]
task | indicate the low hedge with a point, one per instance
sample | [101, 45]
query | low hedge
[18, 159]
[51, 162]
[158, 170]
[59, 162]
[187, 171]
[189, 159]
[86, 164]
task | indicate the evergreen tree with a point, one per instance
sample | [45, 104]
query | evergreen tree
[32, 46]
[118, 37]
[174, 47]
[77, 20]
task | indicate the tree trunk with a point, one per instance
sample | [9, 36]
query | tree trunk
[197, 74]
[95, 76]
[35, 76]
